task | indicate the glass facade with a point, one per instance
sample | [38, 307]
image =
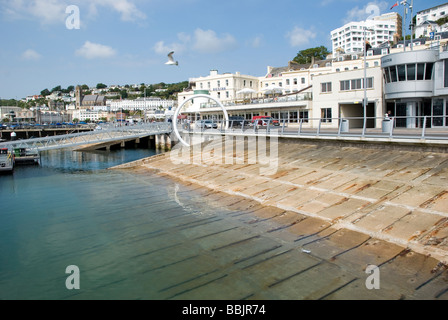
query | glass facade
[409, 72]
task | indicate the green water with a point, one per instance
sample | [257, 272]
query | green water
[143, 236]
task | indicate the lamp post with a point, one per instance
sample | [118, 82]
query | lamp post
[411, 6]
[365, 80]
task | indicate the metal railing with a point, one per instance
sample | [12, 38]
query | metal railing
[101, 134]
[400, 128]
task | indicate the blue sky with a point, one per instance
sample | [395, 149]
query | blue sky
[127, 41]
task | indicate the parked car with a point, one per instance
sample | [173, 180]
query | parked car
[264, 120]
[206, 124]
[236, 121]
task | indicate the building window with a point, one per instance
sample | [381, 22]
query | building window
[219, 83]
[411, 72]
[227, 83]
[287, 82]
[387, 75]
[445, 74]
[345, 85]
[295, 80]
[303, 80]
[437, 112]
[227, 94]
[420, 71]
[401, 70]
[303, 115]
[429, 69]
[393, 74]
[326, 115]
[293, 116]
[326, 87]
[356, 84]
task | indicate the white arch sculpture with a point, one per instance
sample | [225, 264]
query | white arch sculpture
[176, 114]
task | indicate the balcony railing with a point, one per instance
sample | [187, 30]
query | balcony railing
[413, 128]
[268, 100]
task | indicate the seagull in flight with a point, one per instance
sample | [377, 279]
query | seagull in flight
[171, 60]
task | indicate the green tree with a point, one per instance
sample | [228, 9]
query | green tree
[45, 92]
[124, 94]
[305, 56]
[75, 120]
[101, 86]
[85, 87]
[57, 88]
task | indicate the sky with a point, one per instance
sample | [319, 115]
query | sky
[47, 43]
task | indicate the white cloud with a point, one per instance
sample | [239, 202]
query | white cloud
[206, 41]
[298, 36]
[53, 11]
[256, 42]
[94, 50]
[203, 41]
[178, 47]
[127, 9]
[371, 9]
[45, 11]
[31, 55]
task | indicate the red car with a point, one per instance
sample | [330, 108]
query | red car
[264, 120]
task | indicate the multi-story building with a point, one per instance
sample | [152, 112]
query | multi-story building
[85, 114]
[143, 104]
[220, 86]
[426, 21]
[378, 31]
[416, 86]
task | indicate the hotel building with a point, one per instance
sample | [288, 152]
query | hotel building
[350, 37]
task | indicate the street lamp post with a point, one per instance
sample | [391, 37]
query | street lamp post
[411, 6]
[365, 81]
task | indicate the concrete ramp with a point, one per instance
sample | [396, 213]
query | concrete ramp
[399, 195]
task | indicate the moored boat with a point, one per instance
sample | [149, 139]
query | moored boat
[6, 160]
[26, 156]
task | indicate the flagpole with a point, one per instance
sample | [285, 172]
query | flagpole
[412, 25]
[404, 25]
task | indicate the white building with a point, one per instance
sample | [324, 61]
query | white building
[84, 114]
[220, 86]
[143, 104]
[350, 37]
[416, 86]
[426, 21]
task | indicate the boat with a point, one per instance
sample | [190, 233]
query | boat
[6, 160]
[26, 156]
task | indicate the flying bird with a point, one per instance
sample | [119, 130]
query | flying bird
[171, 60]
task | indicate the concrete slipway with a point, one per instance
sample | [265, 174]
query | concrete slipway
[352, 203]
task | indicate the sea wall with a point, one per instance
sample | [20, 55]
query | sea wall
[390, 191]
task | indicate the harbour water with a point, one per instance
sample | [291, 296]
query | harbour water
[138, 235]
